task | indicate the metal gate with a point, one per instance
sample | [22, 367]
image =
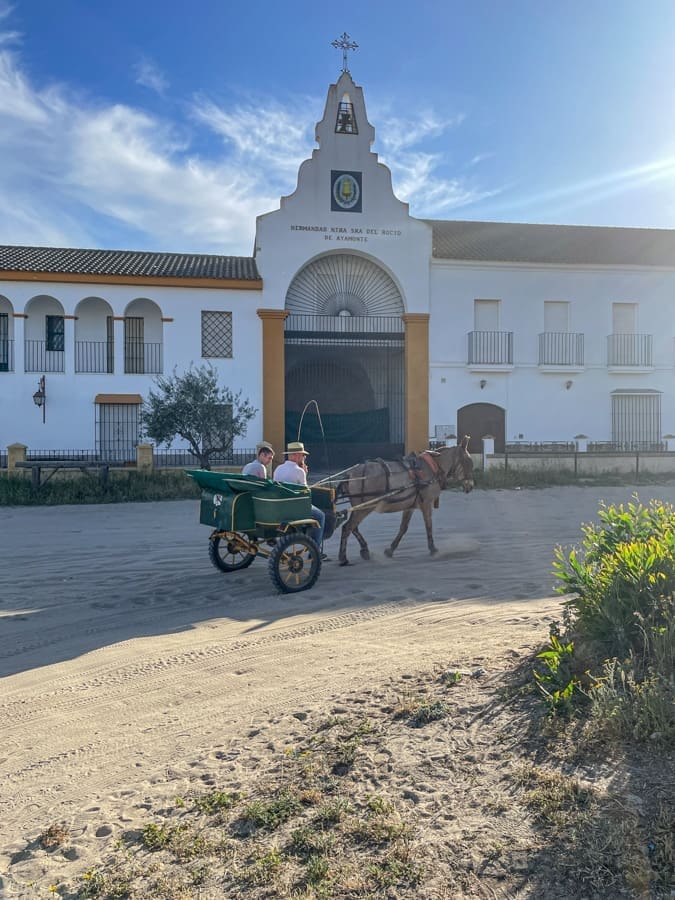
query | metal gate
[353, 366]
[117, 431]
[636, 419]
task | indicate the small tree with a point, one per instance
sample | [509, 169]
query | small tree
[194, 407]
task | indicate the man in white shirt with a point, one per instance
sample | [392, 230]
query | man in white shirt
[294, 470]
[258, 466]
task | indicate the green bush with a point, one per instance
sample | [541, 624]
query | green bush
[123, 487]
[623, 582]
[619, 623]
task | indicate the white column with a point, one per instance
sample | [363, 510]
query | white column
[488, 449]
[118, 327]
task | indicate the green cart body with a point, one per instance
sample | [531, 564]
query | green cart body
[252, 517]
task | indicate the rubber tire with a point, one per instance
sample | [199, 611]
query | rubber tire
[243, 559]
[291, 551]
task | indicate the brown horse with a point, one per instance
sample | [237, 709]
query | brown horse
[401, 486]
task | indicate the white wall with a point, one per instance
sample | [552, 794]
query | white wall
[70, 413]
[537, 403]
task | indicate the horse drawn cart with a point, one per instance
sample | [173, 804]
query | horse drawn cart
[254, 517]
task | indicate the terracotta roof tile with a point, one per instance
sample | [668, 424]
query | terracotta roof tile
[135, 263]
[554, 244]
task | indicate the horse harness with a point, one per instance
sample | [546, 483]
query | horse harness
[413, 464]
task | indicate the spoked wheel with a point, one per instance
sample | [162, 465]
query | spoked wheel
[229, 553]
[295, 563]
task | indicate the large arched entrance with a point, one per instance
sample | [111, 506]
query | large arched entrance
[344, 348]
[479, 420]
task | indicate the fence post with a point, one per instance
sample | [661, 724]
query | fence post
[488, 449]
[15, 453]
[144, 462]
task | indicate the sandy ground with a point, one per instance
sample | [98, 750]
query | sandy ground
[127, 660]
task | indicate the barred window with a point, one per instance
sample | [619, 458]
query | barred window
[216, 334]
[55, 333]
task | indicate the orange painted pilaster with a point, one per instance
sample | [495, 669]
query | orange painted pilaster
[273, 379]
[416, 381]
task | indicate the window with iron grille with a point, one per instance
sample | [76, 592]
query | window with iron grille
[55, 335]
[216, 334]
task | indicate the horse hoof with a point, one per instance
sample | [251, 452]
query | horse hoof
[433, 551]
[365, 554]
[345, 562]
[389, 552]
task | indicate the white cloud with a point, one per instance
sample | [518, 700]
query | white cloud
[148, 75]
[77, 172]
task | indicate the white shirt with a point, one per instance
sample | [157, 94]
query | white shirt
[290, 471]
[255, 468]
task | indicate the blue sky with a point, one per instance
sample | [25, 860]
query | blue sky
[169, 125]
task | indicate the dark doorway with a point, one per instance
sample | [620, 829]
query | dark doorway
[354, 370]
[479, 420]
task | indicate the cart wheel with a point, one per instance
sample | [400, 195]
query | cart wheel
[295, 563]
[228, 555]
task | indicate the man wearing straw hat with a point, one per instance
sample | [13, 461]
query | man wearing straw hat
[294, 469]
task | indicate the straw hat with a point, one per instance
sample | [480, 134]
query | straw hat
[296, 447]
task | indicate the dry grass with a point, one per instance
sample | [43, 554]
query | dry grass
[432, 787]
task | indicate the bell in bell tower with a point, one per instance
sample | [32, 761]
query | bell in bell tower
[346, 122]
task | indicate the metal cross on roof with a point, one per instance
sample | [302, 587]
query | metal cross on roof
[344, 43]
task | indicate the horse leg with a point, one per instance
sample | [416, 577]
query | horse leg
[351, 526]
[405, 521]
[365, 552]
[427, 514]
[344, 534]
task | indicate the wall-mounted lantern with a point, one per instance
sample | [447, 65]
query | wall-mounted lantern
[568, 384]
[40, 398]
[482, 383]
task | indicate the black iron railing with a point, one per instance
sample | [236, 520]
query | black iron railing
[142, 359]
[37, 358]
[629, 350]
[492, 348]
[627, 446]
[561, 349]
[183, 458]
[94, 356]
[6, 355]
[540, 447]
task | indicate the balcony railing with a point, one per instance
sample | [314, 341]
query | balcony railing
[94, 356]
[142, 359]
[37, 358]
[629, 350]
[492, 348]
[557, 348]
[6, 355]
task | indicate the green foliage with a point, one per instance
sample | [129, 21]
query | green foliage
[623, 583]
[620, 620]
[194, 407]
[125, 487]
[269, 814]
[215, 802]
[557, 682]
[623, 707]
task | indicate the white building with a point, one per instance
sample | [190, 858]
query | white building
[399, 328]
